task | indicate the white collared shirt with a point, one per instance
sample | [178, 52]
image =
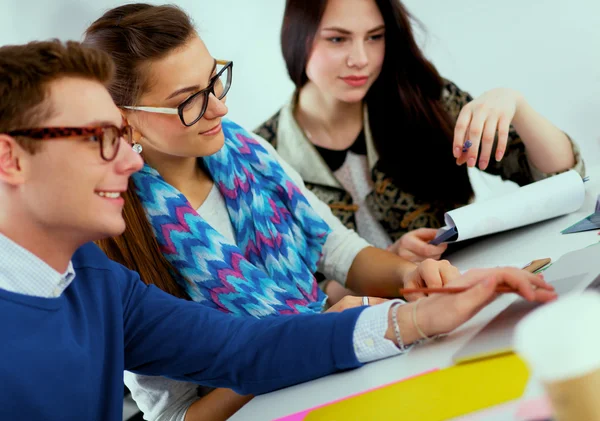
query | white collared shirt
[24, 273]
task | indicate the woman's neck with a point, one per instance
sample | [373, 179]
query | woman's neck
[185, 174]
[338, 122]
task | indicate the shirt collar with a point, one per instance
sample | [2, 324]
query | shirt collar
[24, 273]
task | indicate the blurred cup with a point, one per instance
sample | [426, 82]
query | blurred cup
[560, 343]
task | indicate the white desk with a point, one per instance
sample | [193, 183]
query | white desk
[517, 246]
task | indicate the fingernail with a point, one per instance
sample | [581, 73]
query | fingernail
[483, 164]
[499, 155]
[470, 162]
[456, 152]
[487, 282]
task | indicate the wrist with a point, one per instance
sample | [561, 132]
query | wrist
[404, 271]
[405, 324]
[521, 109]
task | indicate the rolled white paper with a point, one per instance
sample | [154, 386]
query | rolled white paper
[560, 340]
[535, 202]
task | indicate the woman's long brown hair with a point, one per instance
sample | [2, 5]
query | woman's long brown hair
[134, 35]
[412, 131]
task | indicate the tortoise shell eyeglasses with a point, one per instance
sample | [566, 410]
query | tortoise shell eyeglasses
[108, 136]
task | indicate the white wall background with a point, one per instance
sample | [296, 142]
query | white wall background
[548, 49]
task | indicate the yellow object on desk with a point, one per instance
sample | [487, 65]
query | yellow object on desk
[436, 396]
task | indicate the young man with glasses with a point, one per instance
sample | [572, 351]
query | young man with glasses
[72, 320]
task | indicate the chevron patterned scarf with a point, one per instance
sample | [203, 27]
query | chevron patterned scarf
[279, 236]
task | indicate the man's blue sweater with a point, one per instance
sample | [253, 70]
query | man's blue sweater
[63, 358]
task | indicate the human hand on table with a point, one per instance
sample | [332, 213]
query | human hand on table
[442, 313]
[432, 274]
[350, 301]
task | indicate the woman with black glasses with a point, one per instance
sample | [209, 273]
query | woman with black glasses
[215, 215]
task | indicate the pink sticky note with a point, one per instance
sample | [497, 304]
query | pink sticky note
[300, 416]
[534, 410]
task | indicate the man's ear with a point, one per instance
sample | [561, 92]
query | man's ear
[11, 156]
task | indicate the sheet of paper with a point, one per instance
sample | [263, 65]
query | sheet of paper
[545, 199]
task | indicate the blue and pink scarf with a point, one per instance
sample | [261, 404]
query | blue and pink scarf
[279, 236]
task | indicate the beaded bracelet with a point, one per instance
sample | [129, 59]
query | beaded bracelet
[401, 346]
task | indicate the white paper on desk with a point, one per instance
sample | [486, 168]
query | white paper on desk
[545, 199]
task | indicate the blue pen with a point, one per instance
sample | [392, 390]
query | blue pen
[467, 145]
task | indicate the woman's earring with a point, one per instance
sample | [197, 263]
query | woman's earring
[137, 148]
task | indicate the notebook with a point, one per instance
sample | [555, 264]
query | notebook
[589, 223]
[435, 396]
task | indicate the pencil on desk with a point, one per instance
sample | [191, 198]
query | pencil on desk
[501, 289]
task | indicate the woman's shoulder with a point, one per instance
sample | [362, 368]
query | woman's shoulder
[268, 129]
[450, 90]
[453, 98]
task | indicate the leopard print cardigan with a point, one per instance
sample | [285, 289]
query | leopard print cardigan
[398, 211]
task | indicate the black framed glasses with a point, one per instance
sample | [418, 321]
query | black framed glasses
[108, 136]
[193, 108]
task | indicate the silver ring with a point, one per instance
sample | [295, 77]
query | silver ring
[365, 301]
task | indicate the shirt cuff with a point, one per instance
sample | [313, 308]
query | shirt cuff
[369, 339]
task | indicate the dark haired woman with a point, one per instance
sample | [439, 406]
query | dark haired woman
[380, 136]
